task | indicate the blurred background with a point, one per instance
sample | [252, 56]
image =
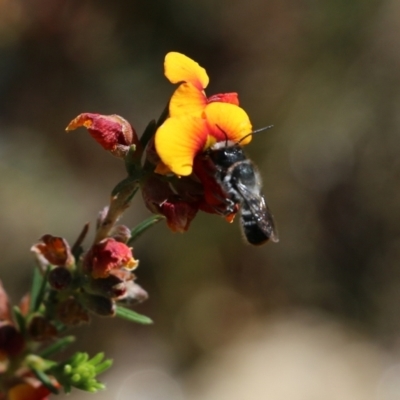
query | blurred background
[316, 316]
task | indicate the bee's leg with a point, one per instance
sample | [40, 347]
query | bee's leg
[229, 207]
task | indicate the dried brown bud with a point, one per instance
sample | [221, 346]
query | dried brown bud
[111, 287]
[41, 329]
[55, 250]
[60, 278]
[98, 305]
[121, 233]
[11, 341]
[71, 312]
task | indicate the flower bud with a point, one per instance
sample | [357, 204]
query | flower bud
[41, 329]
[71, 312]
[55, 250]
[59, 278]
[112, 132]
[11, 341]
[109, 255]
[98, 305]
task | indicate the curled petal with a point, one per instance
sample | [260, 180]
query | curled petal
[179, 68]
[178, 140]
[110, 131]
[187, 100]
[227, 121]
[231, 98]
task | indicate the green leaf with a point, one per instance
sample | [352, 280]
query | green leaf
[19, 319]
[57, 346]
[45, 380]
[38, 289]
[139, 229]
[133, 316]
[148, 133]
[100, 368]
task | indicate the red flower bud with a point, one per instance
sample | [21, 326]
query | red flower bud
[112, 132]
[107, 255]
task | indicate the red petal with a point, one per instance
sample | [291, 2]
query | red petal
[231, 98]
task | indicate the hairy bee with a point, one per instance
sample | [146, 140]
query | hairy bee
[238, 177]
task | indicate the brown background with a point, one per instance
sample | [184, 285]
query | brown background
[327, 75]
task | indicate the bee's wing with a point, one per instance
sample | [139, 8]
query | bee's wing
[260, 211]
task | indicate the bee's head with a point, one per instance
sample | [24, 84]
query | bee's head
[226, 153]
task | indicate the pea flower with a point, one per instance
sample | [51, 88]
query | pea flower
[195, 121]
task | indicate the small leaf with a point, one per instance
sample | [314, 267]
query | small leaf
[19, 319]
[77, 248]
[96, 359]
[139, 229]
[38, 289]
[100, 368]
[57, 346]
[133, 316]
[45, 379]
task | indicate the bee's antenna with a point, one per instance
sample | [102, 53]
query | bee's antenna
[256, 131]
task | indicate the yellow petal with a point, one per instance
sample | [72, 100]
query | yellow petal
[187, 99]
[228, 121]
[179, 68]
[178, 140]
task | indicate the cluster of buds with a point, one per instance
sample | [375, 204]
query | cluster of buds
[93, 282]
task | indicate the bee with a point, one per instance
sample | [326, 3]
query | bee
[240, 180]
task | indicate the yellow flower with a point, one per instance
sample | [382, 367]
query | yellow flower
[196, 122]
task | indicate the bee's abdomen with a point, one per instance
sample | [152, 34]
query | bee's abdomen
[253, 233]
